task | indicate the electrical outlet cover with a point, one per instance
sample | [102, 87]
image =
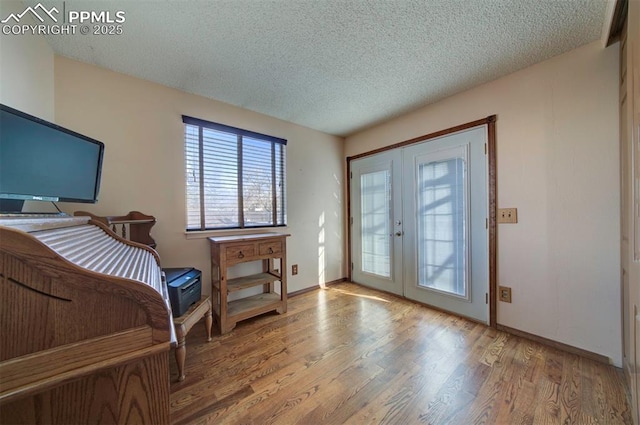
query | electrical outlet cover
[504, 293]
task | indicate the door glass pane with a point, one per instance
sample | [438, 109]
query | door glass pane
[441, 226]
[375, 189]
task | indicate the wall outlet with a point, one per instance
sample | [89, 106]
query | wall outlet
[507, 215]
[505, 294]
[294, 269]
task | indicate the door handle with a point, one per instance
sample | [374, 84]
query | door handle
[399, 233]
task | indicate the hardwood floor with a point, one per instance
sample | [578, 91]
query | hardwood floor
[348, 354]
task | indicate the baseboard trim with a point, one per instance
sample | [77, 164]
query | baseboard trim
[313, 288]
[555, 344]
[627, 372]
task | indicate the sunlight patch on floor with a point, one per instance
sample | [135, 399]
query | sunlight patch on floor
[353, 294]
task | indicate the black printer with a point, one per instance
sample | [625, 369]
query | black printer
[185, 288]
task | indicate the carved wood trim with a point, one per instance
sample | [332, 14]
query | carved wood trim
[28, 249]
[45, 369]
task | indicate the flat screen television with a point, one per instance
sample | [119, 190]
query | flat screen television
[42, 161]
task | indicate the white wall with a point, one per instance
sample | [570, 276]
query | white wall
[141, 126]
[26, 77]
[26, 69]
[557, 159]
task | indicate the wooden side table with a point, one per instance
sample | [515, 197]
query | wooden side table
[183, 325]
[228, 251]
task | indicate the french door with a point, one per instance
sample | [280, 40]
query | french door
[376, 208]
[419, 222]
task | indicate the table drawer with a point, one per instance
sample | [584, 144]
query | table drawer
[240, 252]
[271, 247]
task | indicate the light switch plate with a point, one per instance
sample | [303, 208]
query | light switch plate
[507, 215]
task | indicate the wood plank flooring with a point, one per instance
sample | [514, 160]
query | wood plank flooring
[352, 355]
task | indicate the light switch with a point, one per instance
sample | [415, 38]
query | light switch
[507, 215]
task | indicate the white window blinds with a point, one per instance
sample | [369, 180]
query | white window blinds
[234, 178]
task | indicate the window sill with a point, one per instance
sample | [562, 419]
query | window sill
[233, 232]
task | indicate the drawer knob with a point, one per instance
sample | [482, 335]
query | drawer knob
[270, 250]
[240, 255]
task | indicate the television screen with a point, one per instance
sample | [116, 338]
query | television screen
[42, 161]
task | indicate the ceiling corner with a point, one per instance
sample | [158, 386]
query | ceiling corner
[614, 19]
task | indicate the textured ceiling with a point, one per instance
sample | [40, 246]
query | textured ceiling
[335, 66]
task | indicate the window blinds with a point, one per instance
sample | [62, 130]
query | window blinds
[235, 178]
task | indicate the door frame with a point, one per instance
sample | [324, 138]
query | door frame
[490, 122]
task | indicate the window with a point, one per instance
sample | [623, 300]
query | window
[375, 210]
[234, 178]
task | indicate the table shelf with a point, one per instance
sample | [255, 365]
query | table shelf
[245, 282]
[252, 306]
